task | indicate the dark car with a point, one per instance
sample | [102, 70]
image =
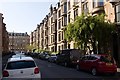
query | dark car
[69, 57]
[97, 63]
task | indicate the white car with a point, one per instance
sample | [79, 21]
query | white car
[18, 55]
[21, 67]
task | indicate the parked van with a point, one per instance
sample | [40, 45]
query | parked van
[69, 57]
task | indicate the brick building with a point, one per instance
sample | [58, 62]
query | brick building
[4, 40]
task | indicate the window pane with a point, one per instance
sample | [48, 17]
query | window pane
[69, 5]
[65, 21]
[68, 18]
[100, 3]
[94, 3]
[65, 8]
[118, 17]
[118, 8]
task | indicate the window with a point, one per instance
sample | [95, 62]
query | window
[118, 17]
[51, 19]
[65, 20]
[65, 7]
[100, 3]
[59, 39]
[69, 5]
[62, 47]
[69, 18]
[62, 35]
[62, 21]
[59, 48]
[75, 13]
[51, 29]
[59, 13]
[106, 59]
[54, 38]
[94, 3]
[59, 24]
[75, 2]
[85, 58]
[92, 58]
[118, 13]
[85, 8]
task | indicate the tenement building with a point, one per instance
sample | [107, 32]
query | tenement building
[49, 34]
[18, 41]
[4, 40]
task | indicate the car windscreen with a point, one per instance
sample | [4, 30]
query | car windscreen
[20, 64]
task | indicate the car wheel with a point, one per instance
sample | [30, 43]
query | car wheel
[94, 71]
[78, 67]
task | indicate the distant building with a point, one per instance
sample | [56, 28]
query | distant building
[18, 41]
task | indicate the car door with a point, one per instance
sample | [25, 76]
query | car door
[82, 62]
[91, 62]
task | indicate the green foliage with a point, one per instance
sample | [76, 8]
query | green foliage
[89, 29]
[30, 47]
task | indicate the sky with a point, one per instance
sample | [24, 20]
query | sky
[24, 15]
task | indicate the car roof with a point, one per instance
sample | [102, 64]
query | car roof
[97, 55]
[20, 59]
[69, 49]
[18, 55]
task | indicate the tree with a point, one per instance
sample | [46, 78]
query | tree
[95, 30]
[29, 47]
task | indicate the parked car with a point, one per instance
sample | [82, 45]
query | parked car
[52, 58]
[69, 57]
[21, 67]
[44, 55]
[95, 63]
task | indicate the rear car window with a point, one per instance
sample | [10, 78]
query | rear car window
[20, 64]
[107, 59]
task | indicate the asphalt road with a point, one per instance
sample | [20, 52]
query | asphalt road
[51, 70]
